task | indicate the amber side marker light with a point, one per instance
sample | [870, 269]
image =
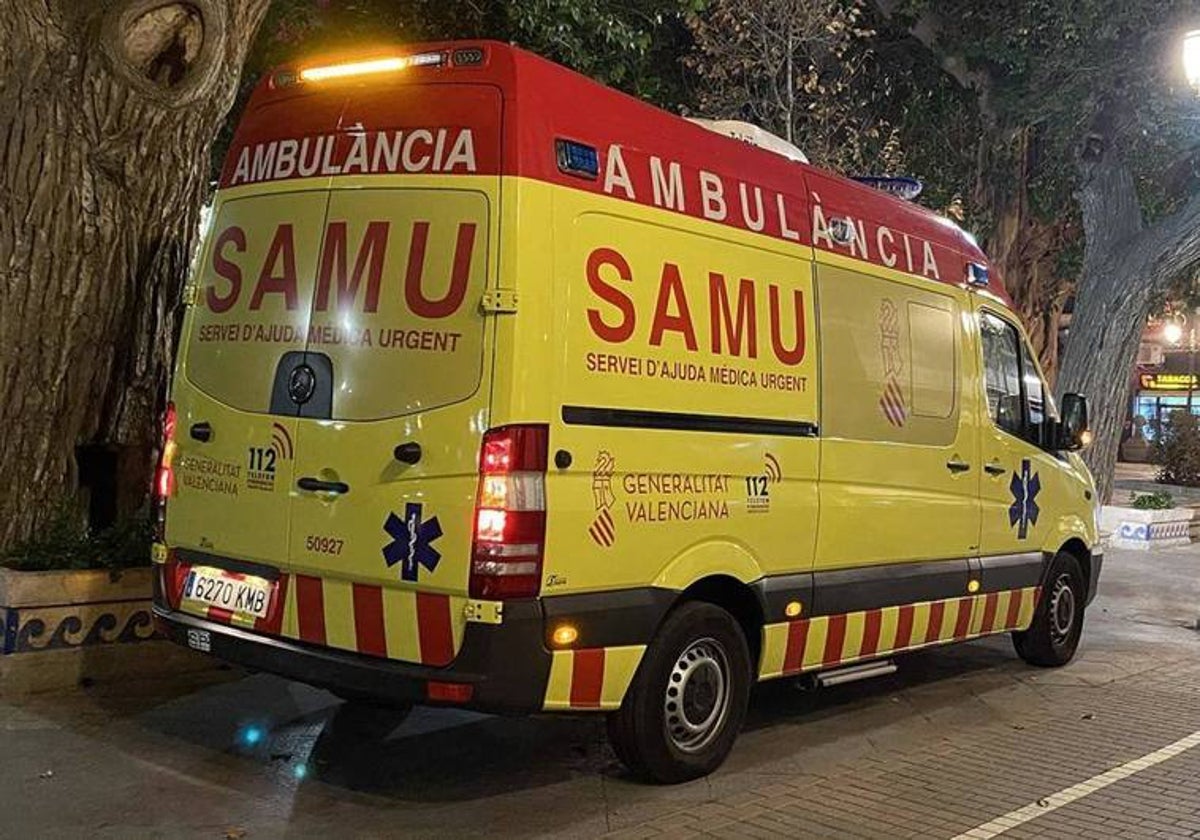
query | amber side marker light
[391, 64]
[565, 635]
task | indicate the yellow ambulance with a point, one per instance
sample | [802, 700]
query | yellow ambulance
[501, 389]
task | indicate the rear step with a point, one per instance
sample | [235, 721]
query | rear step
[854, 673]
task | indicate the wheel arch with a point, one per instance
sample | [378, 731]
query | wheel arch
[1078, 549]
[736, 598]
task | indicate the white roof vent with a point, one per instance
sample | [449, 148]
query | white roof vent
[754, 135]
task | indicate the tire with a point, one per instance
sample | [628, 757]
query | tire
[1058, 622]
[360, 720]
[687, 702]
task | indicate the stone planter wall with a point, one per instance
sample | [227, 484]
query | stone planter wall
[62, 629]
[1143, 530]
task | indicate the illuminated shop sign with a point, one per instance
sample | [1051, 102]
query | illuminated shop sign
[1168, 381]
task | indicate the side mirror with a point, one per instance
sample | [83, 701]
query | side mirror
[1073, 432]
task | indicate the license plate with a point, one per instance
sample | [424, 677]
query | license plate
[239, 594]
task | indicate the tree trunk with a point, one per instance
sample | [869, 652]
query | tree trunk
[109, 109]
[1125, 263]
[1023, 247]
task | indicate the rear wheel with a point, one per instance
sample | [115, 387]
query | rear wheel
[687, 702]
[1058, 622]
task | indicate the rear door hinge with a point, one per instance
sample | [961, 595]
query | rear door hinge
[499, 301]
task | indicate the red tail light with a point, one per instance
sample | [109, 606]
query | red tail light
[510, 513]
[164, 478]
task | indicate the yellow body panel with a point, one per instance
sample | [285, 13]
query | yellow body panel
[894, 417]
[665, 507]
[861, 389]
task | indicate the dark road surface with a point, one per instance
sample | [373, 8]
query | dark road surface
[965, 739]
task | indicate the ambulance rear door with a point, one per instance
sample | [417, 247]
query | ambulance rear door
[393, 385]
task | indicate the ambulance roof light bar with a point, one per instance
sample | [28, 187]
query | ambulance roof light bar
[754, 135]
[901, 186]
[389, 64]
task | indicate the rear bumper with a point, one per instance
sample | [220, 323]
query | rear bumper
[506, 664]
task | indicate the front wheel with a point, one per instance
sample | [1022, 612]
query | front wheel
[1058, 622]
[687, 702]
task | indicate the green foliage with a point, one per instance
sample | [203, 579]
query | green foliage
[1051, 65]
[63, 543]
[632, 45]
[1151, 501]
[849, 87]
[1177, 451]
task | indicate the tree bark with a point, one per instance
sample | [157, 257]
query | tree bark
[109, 108]
[1021, 246]
[1125, 263]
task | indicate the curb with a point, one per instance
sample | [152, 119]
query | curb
[64, 629]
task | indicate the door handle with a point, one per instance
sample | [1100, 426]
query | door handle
[957, 466]
[408, 453]
[995, 468]
[201, 432]
[316, 485]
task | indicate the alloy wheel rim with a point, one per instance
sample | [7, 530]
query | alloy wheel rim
[697, 697]
[1062, 610]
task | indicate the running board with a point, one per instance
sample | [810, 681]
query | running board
[854, 673]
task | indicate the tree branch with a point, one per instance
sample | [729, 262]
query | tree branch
[1172, 245]
[927, 29]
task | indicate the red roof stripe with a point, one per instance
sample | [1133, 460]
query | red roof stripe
[415, 121]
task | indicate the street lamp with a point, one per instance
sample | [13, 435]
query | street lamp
[1172, 332]
[1191, 58]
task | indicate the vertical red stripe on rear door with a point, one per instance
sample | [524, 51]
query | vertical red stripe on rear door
[587, 678]
[793, 656]
[834, 640]
[433, 627]
[368, 620]
[310, 609]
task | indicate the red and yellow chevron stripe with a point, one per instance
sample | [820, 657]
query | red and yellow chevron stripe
[422, 627]
[791, 647]
[410, 626]
[592, 679]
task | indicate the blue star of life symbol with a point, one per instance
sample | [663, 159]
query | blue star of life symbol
[412, 541]
[1024, 510]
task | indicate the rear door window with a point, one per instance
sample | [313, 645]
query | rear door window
[396, 304]
[254, 292]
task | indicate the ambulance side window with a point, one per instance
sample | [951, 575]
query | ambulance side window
[1033, 387]
[1002, 371]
